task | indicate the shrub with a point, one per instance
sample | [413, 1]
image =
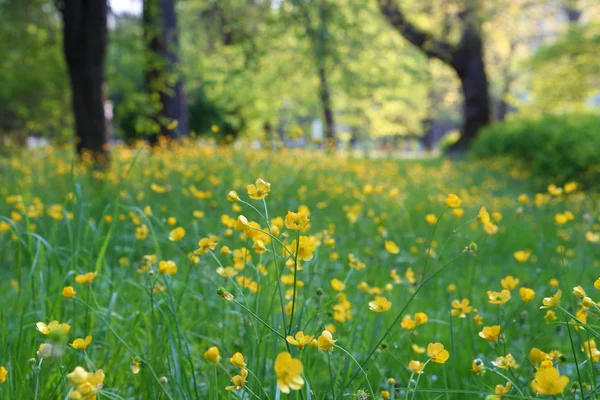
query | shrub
[553, 148]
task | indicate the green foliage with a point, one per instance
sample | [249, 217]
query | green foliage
[557, 148]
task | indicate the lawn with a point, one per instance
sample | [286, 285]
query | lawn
[153, 259]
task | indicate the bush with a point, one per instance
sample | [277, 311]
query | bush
[554, 148]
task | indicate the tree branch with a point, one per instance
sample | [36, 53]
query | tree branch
[431, 46]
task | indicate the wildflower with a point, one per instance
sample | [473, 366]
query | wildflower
[306, 248]
[296, 221]
[167, 267]
[325, 341]
[206, 244]
[300, 340]
[421, 318]
[551, 302]
[289, 372]
[579, 292]
[212, 354]
[233, 196]
[416, 367]
[537, 356]
[453, 201]
[502, 389]
[458, 212]
[135, 366]
[85, 384]
[505, 362]
[478, 367]
[550, 316]
[86, 278]
[490, 333]
[408, 323]
[337, 285]
[241, 224]
[259, 190]
[391, 247]
[3, 374]
[68, 292]
[547, 380]
[380, 304]
[522, 255]
[587, 303]
[431, 219]
[437, 353]
[526, 294]
[45, 350]
[177, 234]
[385, 394]
[509, 282]
[238, 380]
[238, 360]
[592, 237]
[141, 232]
[81, 344]
[498, 297]
[589, 346]
[417, 349]
[460, 308]
[54, 328]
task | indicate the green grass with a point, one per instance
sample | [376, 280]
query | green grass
[167, 322]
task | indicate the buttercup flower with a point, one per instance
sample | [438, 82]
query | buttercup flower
[3, 374]
[259, 190]
[68, 292]
[547, 380]
[212, 354]
[177, 234]
[416, 367]
[380, 304]
[498, 298]
[526, 294]
[238, 380]
[53, 328]
[326, 341]
[289, 372]
[81, 344]
[86, 385]
[167, 267]
[296, 221]
[490, 333]
[238, 360]
[453, 201]
[551, 302]
[437, 353]
[299, 340]
[391, 247]
[86, 278]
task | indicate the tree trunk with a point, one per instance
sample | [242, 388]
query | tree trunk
[85, 38]
[162, 65]
[326, 104]
[467, 61]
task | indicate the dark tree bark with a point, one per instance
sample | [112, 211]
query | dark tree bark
[85, 35]
[326, 104]
[162, 75]
[466, 58]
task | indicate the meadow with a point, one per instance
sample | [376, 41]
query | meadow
[198, 272]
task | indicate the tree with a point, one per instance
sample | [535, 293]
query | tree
[163, 80]
[85, 37]
[465, 58]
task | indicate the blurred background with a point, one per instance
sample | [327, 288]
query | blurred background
[393, 76]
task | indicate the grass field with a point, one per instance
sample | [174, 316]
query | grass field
[152, 261]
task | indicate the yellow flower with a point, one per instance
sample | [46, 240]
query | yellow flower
[592, 237]
[570, 187]
[453, 201]
[233, 196]
[490, 333]
[437, 353]
[421, 318]
[483, 216]
[141, 232]
[296, 221]
[408, 323]
[431, 219]
[589, 346]
[300, 340]
[418, 349]
[86, 278]
[461, 308]
[478, 367]
[68, 292]
[505, 362]
[385, 394]
[3, 374]
[176, 234]
[81, 344]
[458, 212]
[135, 366]
[259, 190]
[391, 247]
[498, 297]
[579, 292]
[45, 350]
[551, 302]
[306, 248]
[547, 380]
[550, 316]
[537, 356]
[337, 285]
[167, 267]
[325, 341]
[526, 294]
[503, 389]
[509, 282]
[212, 354]
[85, 384]
[242, 224]
[238, 360]
[238, 380]
[416, 367]
[289, 372]
[522, 255]
[206, 244]
[380, 304]
[53, 328]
